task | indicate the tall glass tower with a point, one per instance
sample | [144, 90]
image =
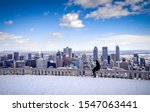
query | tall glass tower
[117, 53]
[136, 58]
[95, 53]
[104, 53]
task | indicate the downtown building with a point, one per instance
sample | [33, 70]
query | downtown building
[117, 53]
[59, 59]
[16, 56]
[104, 53]
[95, 54]
[41, 63]
[68, 52]
[136, 59]
[29, 56]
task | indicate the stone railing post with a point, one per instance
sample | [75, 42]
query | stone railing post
[88, 72]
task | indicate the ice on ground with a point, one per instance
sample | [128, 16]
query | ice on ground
[70, 85]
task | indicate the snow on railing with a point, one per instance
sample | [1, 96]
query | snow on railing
[127, 74]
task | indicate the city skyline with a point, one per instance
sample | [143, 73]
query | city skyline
[46, 25]
[69, 59]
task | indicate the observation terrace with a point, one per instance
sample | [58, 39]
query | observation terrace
[126, 74]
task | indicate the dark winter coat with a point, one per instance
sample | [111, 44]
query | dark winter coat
[97, 67]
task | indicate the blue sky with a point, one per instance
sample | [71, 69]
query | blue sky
[47, 25]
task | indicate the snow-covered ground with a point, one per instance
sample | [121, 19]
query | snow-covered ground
[70, 85]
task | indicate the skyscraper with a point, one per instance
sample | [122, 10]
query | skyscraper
[104, 53]
[16, 56]
[21, 57]
[113, 57]
[59, 59]
[95, 54]
[9, 57]
[136, 59]
[68, 52]
[142, 62]
[117, 53]
[3, 58]
[42, 55]
[29, 56]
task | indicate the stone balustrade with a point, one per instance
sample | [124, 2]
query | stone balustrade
[145, 75]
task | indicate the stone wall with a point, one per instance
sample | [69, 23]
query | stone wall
[126, 74]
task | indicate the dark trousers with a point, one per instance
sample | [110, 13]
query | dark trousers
[94, 70]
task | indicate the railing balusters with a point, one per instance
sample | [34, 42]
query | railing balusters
[144, 75]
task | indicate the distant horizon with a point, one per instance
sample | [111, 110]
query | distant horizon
[62, 50]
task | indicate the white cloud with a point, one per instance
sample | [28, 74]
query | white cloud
[9, 22]
[125, 41]
[108, 12]
[71, 20]
[12, 38]
[131, 2]
[4, 36]
[22, 40]
[106, 9]
[136, 5]
[57, 35]
[117, 9]
[128, 2]
[89, 3]
[14, 42]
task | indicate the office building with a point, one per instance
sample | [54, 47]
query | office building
[9, 57]
[22, 57]
[113, 57]
[29, 56]
[95, 54]
[41, 63]
[36, 56]
[111, 63]
[104, 53]
[9, 63]
[16, 56]
[59, 59]
[3, 58]
[142, 62]
[19, 64]
[66, 60]
[31, 63]
[136, 59]
[68, 52]
[117, 53]
[42, 55]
